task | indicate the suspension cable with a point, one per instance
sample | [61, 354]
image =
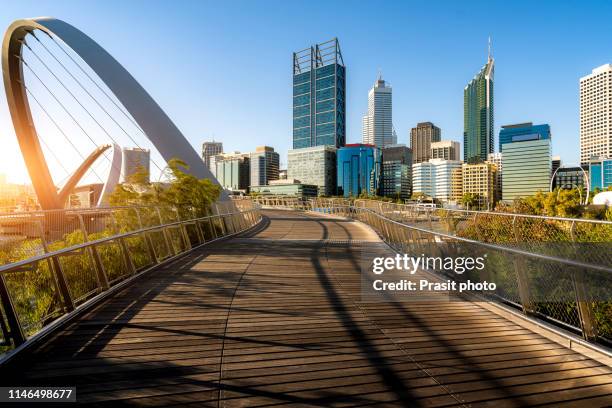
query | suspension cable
[60, 129]
[70, 93]
[90, 95]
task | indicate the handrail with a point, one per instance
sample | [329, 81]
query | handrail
[505, 214]
[61, 284]
[524, 274]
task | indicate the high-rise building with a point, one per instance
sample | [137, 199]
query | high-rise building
[478, 115]
[521, 132]
[359, 170]
[314, 165]
[319, 96]
[264, 164]
[480, 179]
[600, 173]
[396, 172]
[434, 178]
[445, 149]
[526, 168]
[135, 160]
[210, 149]
[596, 114]
[232, 170]
[421, 138]
[378, 122]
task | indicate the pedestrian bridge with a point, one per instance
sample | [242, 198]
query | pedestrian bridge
[275, 315]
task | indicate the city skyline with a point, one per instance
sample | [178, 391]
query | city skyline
[418, 97]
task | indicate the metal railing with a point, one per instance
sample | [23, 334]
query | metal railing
[38, 291]
[564, 277]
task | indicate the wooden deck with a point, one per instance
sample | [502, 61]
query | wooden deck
[275, 318]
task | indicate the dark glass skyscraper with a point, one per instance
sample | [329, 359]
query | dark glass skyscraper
[359, 170]
[319, 96]
[478, 115]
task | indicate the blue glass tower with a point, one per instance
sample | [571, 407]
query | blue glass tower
[600, 172]
[319, 96]
[522, 132]
[359, 170]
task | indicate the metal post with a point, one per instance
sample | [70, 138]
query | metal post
[520, 268]
[147, 238]
[183, 230]
[169, 247]
[16, 333]
[95, 257]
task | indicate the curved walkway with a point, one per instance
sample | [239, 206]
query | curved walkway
[275, 317]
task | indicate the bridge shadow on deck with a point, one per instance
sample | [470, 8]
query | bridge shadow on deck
[272, 319]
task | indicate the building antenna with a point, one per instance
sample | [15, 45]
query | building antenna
[490, 47]
[379, 74]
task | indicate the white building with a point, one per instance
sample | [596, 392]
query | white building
[434, 177]
[378, 122]
[135, 160]
[596, 114]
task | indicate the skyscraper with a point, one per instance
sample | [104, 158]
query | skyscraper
[378, 122]
[478, 115]
[421, 138]
[396, 171]
[434, 178]
[319, 104]
[232, 170]
[135, 160]
[210, 149]
[526, 168]
[264, 165]
[596, 114]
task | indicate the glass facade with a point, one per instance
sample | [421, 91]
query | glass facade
[396, 172]
[522, 132]
[478, 115]
[319, 96]
[359, 170]
[314, 165]
[600, 173]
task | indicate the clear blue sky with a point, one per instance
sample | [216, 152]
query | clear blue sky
[224, 68]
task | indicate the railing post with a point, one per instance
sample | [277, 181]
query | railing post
[16, 331]
[60, 279]
[183, 229]
[169, 247]
[125, 252]
[147, 238]
[95, 257]
[522, 277]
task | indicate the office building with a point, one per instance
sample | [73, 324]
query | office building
[264, 165]
[596, 114]
[456, 185]
[421, 138]
[434, 178]
[478, 115]
[287, 188]
[319, 100]
[521, 132]
[210, 149]
[135, 160]
[556, 163]
[232, 170]
[600, 173]
[314, 165]
[526, 168]
[396, 172]
[378, 122]
[359, 170]
[480, 179]
[496, 159]
[569, 178]
[445, 149]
